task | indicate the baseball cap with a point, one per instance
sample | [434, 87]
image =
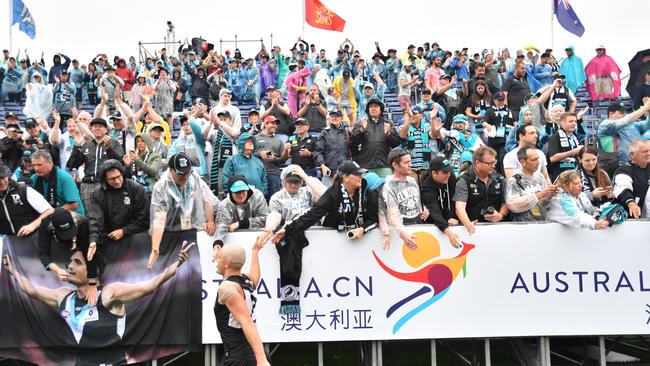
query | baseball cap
[99, 121]
[292, 177]
[196, 101]
[559, 76]
[253, 111]
[500, 95]
[459, 118]
[27, 155]
[63, 224]
[158, 126]
[5, 171]
[180, 163]
[368, 85]
[10, 115]
[116, 115]
[335, 112]
[13, 125]
[346, 73]
[448, 77]
[350, 167]
[374, 181]
[269, 119]
[238, 183]
[417, 109]
[224, 91]
[64, 71]
[30, 122]
[109, 67]
[224, 112]
[426, 91]
[408, 63]
[302, 121]
[270, 87]
[439, 163]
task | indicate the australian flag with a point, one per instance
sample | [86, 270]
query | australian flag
[568, 18]
[23, 17]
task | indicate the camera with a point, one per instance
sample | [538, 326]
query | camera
[488, 211]
[350, 234]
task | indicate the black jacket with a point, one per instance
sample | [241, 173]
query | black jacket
[438, 199]
[15, 209]
[12, 152]
[370, 148]
[330, 205]
[640, 181]
[332, 147]
[111, 209]
[93, 154]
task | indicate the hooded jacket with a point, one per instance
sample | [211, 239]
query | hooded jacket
[126, 208]
[126, 74]
[250, 167]
[438, 199]
[57, 67]
[370, 148]
[574, 70]
[200, 87]
[148, 165]
[254, 212]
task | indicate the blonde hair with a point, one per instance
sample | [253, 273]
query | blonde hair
[565, 179]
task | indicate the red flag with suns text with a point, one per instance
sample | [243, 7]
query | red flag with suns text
[320, 16]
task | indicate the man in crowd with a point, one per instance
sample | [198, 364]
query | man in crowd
[373, 138]
[563, 146]
[527, 136]
[246, 164]
[119, 208]
[55, 184]
[417, 134]
[93, 153]
[11, 146]
[527, 192]
[301, 146]
[332, 147]
[480, 191]
[437, 192]
[632, 181]
[181, 204]
[277, 108]
[402, 196]
[618, 131]
[516, 89]
[23, 208]
[272, 151]
[243, 208]
[314, 110]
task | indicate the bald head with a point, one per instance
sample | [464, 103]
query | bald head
[235, 254]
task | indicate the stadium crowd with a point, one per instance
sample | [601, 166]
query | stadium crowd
[484, 137]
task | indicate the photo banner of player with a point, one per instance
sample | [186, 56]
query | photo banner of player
[129, 324]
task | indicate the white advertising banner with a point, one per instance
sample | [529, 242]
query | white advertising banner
[506, 280]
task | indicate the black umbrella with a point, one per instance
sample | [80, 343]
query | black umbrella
[639, 65]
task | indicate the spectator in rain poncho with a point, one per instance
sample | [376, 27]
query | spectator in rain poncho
[603, 76]
[39, 98]
[574, 69]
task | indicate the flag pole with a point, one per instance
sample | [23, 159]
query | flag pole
[303, 17]
[11, 16]
[552, 21]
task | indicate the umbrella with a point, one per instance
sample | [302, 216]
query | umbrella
[639, 65]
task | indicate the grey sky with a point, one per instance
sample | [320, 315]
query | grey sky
[82, 29]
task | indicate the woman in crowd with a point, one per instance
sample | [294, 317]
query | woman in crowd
[571, 206]
[181, 88]
[91, 76]
[165, 89]
[595, 181]
[477, 106]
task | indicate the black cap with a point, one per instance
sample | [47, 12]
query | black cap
[410, 46]
[196, 101]
[302, 121]
[270, 87]
[63, 224]
[109, 67]
[439, 163]
[426, 91]
[500, 95]
[335, 112]
[64, 71]
[223, 112]
[180, 163]
[616, 107]
[350, 167]
[10, 115]
[448, 77]
[5, 171]
[292, 177]
[99, 121]
[559, 76]
[116, 115]
[253, 111]
[30, 122]
[13, 125]
[346, 73]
